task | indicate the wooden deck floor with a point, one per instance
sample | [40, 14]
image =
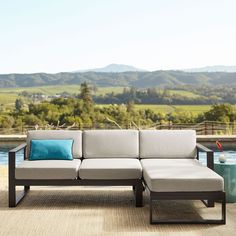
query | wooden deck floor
[100, 211]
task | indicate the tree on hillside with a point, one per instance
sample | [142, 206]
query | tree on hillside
[86, 93]
[130, 106]
[87, 99]
[19, 104]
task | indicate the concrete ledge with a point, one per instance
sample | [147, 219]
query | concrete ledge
[14, 137]
[228, 141]
[10, 141]
[225, 138]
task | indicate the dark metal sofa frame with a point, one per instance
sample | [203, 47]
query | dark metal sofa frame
[14, 199]
[208, 198]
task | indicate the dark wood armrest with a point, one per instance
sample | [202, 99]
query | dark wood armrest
[13, 198]
[18, 148]
[12, 159]
[203, 148]
[209, 155]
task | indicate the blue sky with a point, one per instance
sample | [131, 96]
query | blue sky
[67, 35]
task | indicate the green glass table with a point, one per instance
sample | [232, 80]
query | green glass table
[228, 171]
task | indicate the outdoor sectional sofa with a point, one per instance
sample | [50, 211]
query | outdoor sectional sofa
[164, 162]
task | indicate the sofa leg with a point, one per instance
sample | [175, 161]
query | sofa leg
[15, 199]
[12, 196]
[150, 211]
[138, 189]
[223, 209]
[222, 199]
[209, 203]
[27, 188]
[133, 187]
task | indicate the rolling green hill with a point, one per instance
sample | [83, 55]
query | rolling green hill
[124, 79]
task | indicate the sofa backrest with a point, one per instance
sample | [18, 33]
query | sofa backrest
[167, 144]
[57, 134]
[110, 144]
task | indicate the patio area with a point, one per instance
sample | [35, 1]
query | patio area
[100, 211]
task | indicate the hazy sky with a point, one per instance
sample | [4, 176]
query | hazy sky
[68, 35]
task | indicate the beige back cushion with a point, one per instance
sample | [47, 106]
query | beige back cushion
[167, 144]
[58, 134]
[110, 144]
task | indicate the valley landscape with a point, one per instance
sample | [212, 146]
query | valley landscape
[116, 96]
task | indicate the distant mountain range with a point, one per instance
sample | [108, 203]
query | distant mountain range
[118, 68]
[115, 68]
[213, 69]
[139, 79]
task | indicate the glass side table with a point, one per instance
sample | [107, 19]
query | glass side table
[228, 171]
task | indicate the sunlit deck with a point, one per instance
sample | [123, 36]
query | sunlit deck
[100, 211]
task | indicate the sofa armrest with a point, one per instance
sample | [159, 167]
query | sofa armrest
[19, 148]
[209, 155]
[12, 158]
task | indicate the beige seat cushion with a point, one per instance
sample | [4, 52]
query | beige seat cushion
[113, 168]
[179, 175]
[51, 169]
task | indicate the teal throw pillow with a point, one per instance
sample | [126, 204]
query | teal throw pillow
[51, 150]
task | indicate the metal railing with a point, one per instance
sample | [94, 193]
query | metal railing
[204, 128]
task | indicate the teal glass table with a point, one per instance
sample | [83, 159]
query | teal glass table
[228, 171]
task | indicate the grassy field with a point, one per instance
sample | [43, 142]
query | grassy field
[104, 90]
[184, 93]
[195, 109]
[47, 90]
[155, 108]
[52, 90]
[73, 89]
[7, 98]
[9, 95]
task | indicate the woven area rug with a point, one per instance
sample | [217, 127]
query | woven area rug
[100, 211]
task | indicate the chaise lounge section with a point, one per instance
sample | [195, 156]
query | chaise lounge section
[171, 171]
